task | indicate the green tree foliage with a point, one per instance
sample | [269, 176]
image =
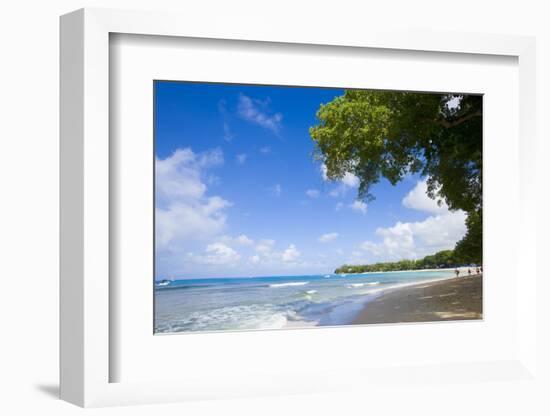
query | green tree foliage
[374, 134]
[470, 248]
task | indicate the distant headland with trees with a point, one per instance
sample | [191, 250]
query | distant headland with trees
[441, 259]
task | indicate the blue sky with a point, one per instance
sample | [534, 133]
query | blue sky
[238, 192]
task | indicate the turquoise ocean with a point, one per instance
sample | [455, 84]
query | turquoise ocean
[229, 304]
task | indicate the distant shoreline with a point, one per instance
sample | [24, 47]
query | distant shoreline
[462, 269]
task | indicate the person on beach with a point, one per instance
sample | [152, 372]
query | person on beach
[457, 272]
[469, 272]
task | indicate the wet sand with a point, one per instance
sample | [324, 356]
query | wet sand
[453, 299]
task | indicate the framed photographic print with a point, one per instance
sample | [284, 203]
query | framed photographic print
[310, 203]
[261, 219]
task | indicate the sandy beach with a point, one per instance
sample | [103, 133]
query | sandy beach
[452, 299]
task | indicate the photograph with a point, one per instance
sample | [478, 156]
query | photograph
[292, 207]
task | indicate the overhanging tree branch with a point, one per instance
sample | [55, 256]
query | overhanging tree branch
[448, 124]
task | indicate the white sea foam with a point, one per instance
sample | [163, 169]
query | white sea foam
[288, 284]
[373, 283]
[355, 285]
[236, 317]
[311, 292]
[277, 321]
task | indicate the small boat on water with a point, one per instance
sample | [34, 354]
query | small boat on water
[164, 282]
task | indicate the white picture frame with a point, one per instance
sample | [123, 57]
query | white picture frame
[86, 262]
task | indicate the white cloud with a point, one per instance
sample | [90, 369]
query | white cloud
[359, 206]
[418, 199]
[440, 231]
[290, 254]
[265, 246]
[187, 220]
[276, 190]
[217, 254]
[244, 240]
[241, 158]
[418, 239]
[327, 238]
[324, 172]
[313, 193]
[256, 111]
[269, 256]
[184, 211]
[227, 135]
[349, 181]
[265, 150]
[398, 241]
[179, 175]
[289, 260]
[373, 248]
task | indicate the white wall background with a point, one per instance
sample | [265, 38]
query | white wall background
[29, 198]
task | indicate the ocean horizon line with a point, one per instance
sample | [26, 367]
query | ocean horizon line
[245, 277]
